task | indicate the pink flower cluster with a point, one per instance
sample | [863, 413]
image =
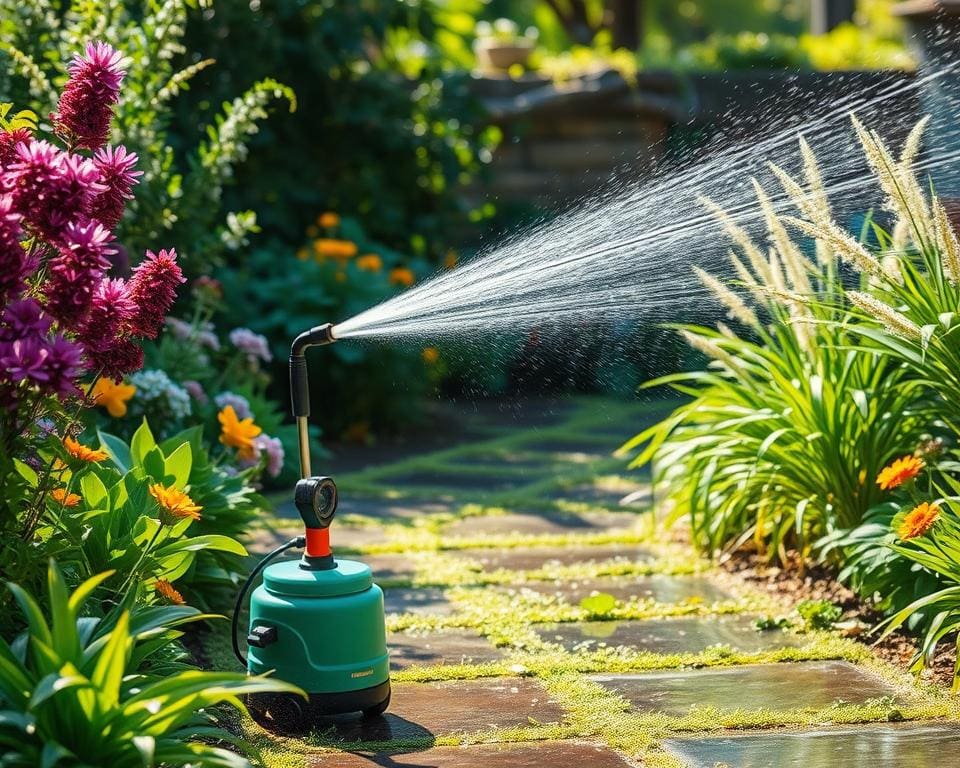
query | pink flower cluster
[64, 316]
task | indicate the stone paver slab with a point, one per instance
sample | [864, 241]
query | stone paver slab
[423, 601]
[389, 566]
[611, 494]
[863, 746]
[532, 558]
[663, 589]
[462, 481]
[691, 634]
[419, 710]
[446, 647]
[541, 754]
[532, 524]
[748, 688]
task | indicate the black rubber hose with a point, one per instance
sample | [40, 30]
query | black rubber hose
[297, 543]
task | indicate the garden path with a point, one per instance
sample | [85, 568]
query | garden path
[537, 618]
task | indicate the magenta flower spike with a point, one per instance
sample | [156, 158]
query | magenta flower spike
[86, 105]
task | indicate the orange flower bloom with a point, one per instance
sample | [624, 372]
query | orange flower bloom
[430, 355]
[918, 521]
[337, 249]
[901, 470]
[402, 276]
[328, 220]
[64, 498]
[238, 433]
[113, 396]
[370, 262]
[79, 451]
[450, 260]
[167, 591]
[175, 505]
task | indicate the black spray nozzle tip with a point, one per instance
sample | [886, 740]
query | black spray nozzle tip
[317, 336]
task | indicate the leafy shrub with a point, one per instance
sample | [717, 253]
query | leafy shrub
[179, 196]
[745, 50]
[79, 690]
[818, 614]
[385, 107]
[339, 272]
[789, 426]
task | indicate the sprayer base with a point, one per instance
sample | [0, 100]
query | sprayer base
[287, 712]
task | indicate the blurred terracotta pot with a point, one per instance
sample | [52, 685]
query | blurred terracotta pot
[497, 54]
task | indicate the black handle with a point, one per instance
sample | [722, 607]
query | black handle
[299, 387]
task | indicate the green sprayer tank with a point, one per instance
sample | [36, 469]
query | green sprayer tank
[316, 622]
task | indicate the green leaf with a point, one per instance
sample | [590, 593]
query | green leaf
[117, 450]
[93, 490]
[178, 465]
[26, 472]
[141, 443]
[600, 604]
[154, 466]
[200, 543]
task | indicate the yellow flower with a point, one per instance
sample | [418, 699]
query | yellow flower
[402, 276]
[303, 254]
[430, 355]
[113, 396]
[64, 498]
[370, 262]
[918, 521]
[238, 433]
[337, 249]
[450, 260]
[168, 592]
[79, 451]
[328, 220]
[901, 470]
[175, 505]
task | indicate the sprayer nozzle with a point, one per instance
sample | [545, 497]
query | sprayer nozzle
[317, 336]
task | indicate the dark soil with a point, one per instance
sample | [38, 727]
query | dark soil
[819, 582]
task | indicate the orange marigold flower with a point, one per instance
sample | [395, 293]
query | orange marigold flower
[328, 220]
[175, 505]
[402, 276]
[901, 470]
[238, 433]
[337, 249]
[918, 521]
[168, 592]
[430, 355]
[79, 451]
[370, 262]
[113, 396]
[64, 498]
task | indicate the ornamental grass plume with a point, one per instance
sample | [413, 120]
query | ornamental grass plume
[918, 521]
[899, 471]
[86, 105]
[896, 323]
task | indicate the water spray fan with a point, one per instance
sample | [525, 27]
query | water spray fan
[316, 622]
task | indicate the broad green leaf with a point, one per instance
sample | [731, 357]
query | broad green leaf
[93, 490]
[141, 443]
[178, 465]
[117, 450]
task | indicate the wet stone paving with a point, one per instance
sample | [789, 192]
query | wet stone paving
[539, 617]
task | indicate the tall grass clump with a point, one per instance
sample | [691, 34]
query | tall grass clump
[792, 419]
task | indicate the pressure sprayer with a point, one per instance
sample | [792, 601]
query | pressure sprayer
[317, 622]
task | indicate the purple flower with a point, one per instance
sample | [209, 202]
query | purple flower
[252, 344]
[240, 404]
[76, 272]
[117, 175]
[202, 335]
[50, 188]
[122, 357]
[273, 448]
[111, 308]
[14, 266]
[24, 318]
[86, 104]
[195, 390]
[153, 289]
[8, 145]
[53, 365]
